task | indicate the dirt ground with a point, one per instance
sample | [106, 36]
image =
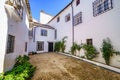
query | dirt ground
[54, 66]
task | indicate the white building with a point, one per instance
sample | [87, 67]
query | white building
[45, 17]
[42, 39]
[82, 21]
[14, 21]
[42, 36]
[90, 21]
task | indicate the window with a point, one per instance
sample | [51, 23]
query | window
[10, 44]
[58, 19]
[43, 32]
[77, 2]
[31, 33]
[40, 46]
[89, 42]
[78, 18]
[67, 18]
[55, 34]
[25, 46]
[101, 6]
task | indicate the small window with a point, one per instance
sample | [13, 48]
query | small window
[89, 42]
[43, 32]
[40, 46]
[77, 2]
[25, 46]
[78, 18]
[58, 19]
[67, 18]
[10, 44]
[31, 33]
[55, 34]
[101, 6]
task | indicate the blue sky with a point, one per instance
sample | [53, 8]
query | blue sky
[49, 6]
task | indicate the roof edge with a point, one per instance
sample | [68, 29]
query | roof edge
[61, 11]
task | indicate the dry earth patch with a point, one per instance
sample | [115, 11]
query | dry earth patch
[54, 66]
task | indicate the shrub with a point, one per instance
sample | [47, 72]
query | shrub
[75, 47]
[63, 46]
[1, 76]
[107, 50]
[21, 71]
[60, 45]
[91, 51]
[57, 46]
[33, 53]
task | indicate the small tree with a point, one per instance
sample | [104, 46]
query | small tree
[78, 47]
[91, 51]
[60, 45]
[57, 46]
[63, 46]
[107, 50]
[75, 47]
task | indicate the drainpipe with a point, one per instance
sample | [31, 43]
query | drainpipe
[72, 22]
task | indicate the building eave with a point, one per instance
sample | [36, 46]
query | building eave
[61, 11]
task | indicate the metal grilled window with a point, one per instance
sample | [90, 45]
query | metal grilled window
[101, 6]
[10, 44]
[67, 18]
[40, 46]
[78, 18]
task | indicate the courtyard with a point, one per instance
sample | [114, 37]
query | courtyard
[54, 66]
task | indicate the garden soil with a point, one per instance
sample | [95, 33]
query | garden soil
[54, 66]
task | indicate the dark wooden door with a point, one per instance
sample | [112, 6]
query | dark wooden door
[50, 47]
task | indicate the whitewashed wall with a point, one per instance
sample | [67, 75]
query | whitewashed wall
[20, 31]
[97, 28]
[44, 17]
[49, 38]
[64, 28]
[3, 34]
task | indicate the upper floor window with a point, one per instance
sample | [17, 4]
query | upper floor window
[10, 44]
[58, 19]
[31, 33]
[67, 18]
[101, 6]
[78, 18]
[77, 2]
[43, 32]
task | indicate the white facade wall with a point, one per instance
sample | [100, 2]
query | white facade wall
[37, 37]
[44, 17]
[3, 34]
[64, 28]
[96, 28]
[19, 29]
[99, 27]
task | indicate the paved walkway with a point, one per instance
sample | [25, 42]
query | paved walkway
[54, 66]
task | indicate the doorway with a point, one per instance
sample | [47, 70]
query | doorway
[50, 46]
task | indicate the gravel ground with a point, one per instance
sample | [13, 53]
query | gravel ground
[54, 66]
